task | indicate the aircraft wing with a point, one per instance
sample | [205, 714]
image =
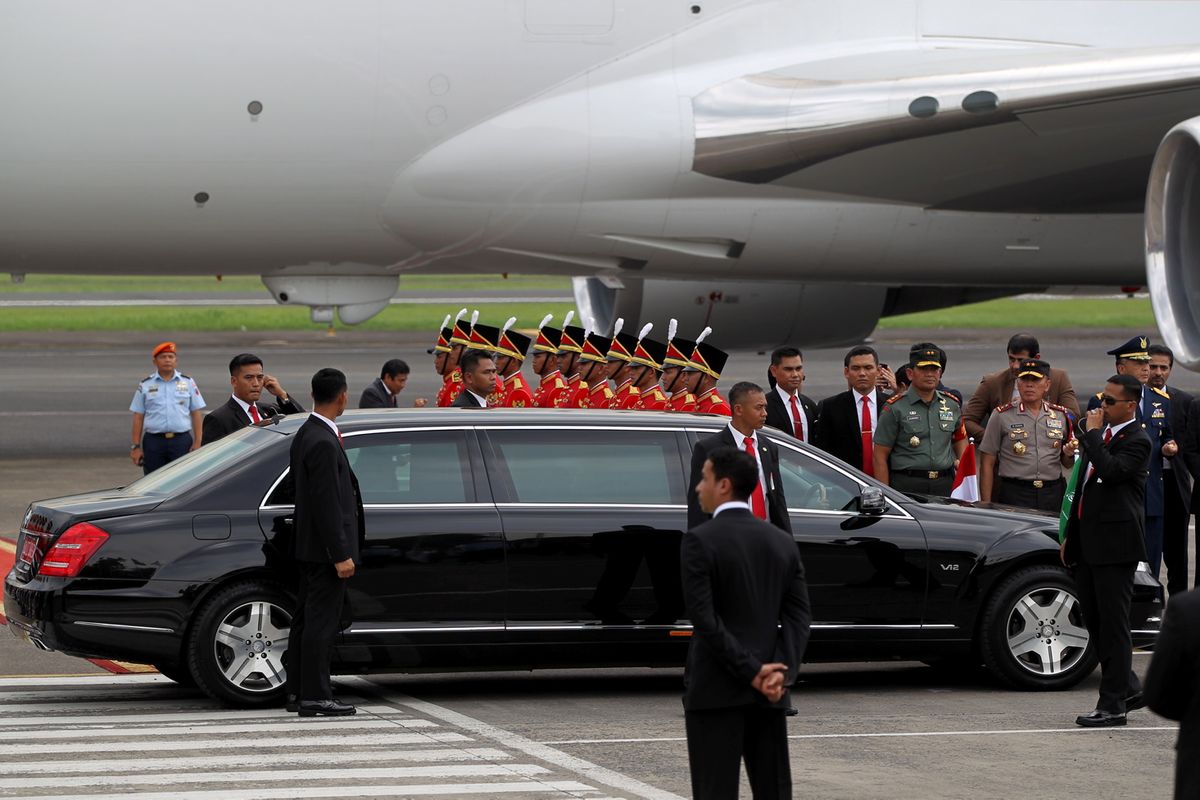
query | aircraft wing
[1063, 129]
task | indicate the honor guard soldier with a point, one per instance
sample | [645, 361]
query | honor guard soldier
[1153, 414]
[484, 337]
[705, 367]
[920, 435]
[510, 350]
[1027, 444]
[166, 413]
[674, 362]
[593, 369]
[647, 360]
[441, 348]
[570, 348]
[552, 389]
[456, 342]
[621, 366]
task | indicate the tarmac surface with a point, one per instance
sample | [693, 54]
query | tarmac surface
[898, 730]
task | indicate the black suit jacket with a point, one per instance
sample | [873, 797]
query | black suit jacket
[744, 587]
[329, 524]
[1172, 685]
[466, 400]
[780, 416]
[768, 453]
[376, 395]
[1182, 426]
[1112, 529]
[229, 418]
[839, 433]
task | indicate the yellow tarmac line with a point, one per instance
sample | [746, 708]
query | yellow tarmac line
[5, 544]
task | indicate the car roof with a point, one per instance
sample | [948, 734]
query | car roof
[367, 419]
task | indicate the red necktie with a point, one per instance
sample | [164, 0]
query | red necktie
[1091, 468]
[758, 501]
[868, 455]
[254, 414]
[796, 418]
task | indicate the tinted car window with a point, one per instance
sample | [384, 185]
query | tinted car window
[403, 468]
[202, 464]
[814, 485]
[590, 466]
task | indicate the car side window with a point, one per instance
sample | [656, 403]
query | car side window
[595, 467]
[403, 468]
[813, 485]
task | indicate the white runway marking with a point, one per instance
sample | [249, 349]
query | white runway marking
[108, 729]
[538, 750]
[119, 717]
[402, 790]
[363, 740]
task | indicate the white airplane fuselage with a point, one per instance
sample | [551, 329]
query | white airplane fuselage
[312, 138]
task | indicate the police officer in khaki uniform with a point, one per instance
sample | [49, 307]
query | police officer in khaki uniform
[920, 435]
[1026, 444]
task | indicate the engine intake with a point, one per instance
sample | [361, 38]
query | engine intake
[1173, 240]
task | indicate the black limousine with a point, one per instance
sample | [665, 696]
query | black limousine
[526, 539]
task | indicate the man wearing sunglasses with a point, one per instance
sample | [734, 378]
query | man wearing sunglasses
[1105, 541]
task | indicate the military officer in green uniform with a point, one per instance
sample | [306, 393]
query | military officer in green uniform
[1026, 445]
[920, 435]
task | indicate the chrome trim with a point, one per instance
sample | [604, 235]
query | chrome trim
[348, 434]
[1155, 631]
[262, 504]
[395, 506]
[833, 626]
[428, 629]
[758, 128]
[598, 626]
[119, 626]
[661, 506]
[498, 426]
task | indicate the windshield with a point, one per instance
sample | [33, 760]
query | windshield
[197, 467]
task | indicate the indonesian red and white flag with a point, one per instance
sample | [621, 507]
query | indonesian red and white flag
[966, 481]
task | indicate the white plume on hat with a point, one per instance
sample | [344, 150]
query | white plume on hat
[617, 328]
[507, 325]
[459, 315]
[567, 319]
[704, 333]
[446, 322]
[474, 317]
[649, 326]
[545, 319]
[671, 328]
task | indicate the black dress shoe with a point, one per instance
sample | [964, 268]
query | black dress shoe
[291, 704]
[325, 708]
[1096, 719]
[1134, 701]
[792, 711]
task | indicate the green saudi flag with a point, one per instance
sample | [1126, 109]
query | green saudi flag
[1064, 514]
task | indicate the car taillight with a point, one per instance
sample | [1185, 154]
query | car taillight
[72, 550]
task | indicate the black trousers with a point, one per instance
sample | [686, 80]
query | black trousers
[720, 739]
[1048, 498]
[1175, 535]
[940, 486]
[1105, 593]
[158, 451]
[314, 628]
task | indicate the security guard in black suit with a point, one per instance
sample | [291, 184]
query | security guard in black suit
[243, 408]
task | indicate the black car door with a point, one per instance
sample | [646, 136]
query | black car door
[592, 519]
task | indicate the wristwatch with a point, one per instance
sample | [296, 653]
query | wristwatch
[135, 446]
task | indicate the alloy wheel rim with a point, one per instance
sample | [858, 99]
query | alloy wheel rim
[250, 644]
[1045, 631]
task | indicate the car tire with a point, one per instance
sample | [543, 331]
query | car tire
[176, 672]
[1032, 636]
[238, 642]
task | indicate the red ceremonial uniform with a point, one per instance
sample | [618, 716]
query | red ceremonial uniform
[551, 392]
[577, 393]
[682, 401]
[601, 396]
[452, 386]
[517, 393]
[712, 403]
[652, 399]
[627, 396]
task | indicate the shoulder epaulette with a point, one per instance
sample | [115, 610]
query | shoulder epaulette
[634, 390]
[583, 384]
[949, 396]
[147, 378]
[893, 398]
[1163, 392]
[1004, 407]
[1100, 394]
[1057, 407]
[186, 377]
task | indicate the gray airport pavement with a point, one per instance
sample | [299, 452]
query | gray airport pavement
[898, 730]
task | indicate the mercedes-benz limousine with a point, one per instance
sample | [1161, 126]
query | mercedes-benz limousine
[526, 539]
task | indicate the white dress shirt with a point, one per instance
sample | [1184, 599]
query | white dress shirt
[245, 408]
[731, 505]
[874, 412]
[787, 404]
[740, 439]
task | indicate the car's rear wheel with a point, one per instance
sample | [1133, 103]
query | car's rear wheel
[237, 647]
[1032, 634]
[177, 672]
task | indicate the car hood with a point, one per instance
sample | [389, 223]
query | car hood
[946, 508]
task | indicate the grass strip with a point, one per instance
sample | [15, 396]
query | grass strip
[1023, 314]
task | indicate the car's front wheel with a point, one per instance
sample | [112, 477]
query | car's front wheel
[1032, 634]
[237, 647]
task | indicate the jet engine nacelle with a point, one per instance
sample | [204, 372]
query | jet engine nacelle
[742, 314]
[1173, 240]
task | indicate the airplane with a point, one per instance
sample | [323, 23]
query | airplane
[784, 170]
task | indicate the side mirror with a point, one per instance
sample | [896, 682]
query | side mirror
[871, 501]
